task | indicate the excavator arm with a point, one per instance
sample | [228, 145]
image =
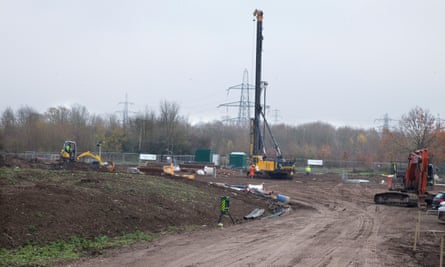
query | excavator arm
[107, 164]
[416, 175]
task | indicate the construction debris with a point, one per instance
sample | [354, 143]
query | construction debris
[173, 170]
[257, 190]
[254, 214]
[346, 180]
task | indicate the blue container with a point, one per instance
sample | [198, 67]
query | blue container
[282, 198]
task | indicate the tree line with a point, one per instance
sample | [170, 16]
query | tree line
[167, 132]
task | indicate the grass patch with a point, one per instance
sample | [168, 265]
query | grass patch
[7, 175]
[73, 249]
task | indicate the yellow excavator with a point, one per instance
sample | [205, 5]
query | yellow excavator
[69, 154]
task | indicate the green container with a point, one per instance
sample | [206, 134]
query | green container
[238, 159]
[203, 155]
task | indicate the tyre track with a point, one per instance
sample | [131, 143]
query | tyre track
[341, 229]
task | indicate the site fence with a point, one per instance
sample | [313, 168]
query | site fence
[349, 165]
[116, 157]
[300, 163]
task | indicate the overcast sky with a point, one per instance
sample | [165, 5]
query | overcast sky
[344, 62]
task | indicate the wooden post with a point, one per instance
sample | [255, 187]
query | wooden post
[417, 232]
[415, 239]
[441, 251]
[419, 221]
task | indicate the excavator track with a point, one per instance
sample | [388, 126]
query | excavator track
[396, 199]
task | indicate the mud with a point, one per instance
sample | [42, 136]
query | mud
[331, 223]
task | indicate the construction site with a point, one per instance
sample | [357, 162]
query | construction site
[321, 219]
[83, 209]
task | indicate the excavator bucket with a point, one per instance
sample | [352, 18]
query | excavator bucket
[109, 165]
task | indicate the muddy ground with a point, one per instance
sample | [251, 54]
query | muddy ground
[331, 223]
[41, 202]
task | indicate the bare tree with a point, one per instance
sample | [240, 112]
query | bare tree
[419, 129]
[315, 139]
[390, 148]
[9, 129]
[57, 115]
[141, 132]
[31, 124]
[115, 135]
[168, 122]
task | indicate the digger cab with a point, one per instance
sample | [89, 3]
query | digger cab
[69, 151]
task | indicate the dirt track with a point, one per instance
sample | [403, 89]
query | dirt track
[336, 224]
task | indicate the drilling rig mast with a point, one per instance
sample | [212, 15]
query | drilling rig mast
[277, 167]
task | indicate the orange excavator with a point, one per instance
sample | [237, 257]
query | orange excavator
[410, 189]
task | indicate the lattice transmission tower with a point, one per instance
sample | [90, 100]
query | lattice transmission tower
[125, 111]
[244, 104]
[386, 121]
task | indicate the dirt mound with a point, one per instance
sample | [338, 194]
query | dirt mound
[12, 161]
[40, 205]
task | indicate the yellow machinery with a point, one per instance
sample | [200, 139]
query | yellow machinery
[106, 164]
[69, 154]
[273, 168]
[170, 170]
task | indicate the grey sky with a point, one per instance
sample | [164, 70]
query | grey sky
[344, 62]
